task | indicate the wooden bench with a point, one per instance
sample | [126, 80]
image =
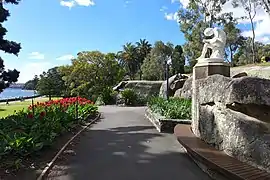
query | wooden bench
[216, 160]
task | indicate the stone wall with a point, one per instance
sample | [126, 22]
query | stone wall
[145, 88]
[234, 116]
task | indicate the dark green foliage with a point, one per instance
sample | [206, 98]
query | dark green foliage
[11, 47]
[31, 84]
[153, 67]
[178, 60]
[143, 48]
[174, 108]
[130, 96]
[187, 69]
[51, 83]
[91, 74]
[129, 59]
[234, 39]
[108, 96]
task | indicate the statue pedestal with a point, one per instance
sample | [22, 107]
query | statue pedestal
[208, 67]
[203, 69]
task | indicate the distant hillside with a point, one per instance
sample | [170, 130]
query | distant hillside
[17, 85]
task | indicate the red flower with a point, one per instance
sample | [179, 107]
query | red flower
[30, 116]
[42, 114]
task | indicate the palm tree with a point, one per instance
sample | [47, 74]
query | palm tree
[144, 49]
[129, 59]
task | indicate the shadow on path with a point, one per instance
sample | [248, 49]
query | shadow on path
[125, 153]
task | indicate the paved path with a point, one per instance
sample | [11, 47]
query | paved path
[125, 146]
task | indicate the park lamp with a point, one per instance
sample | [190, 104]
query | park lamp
[168, 63]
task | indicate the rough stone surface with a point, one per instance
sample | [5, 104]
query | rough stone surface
[242, 74]
[186, 90]
[175, 82]
[144, 88]
[253, 71]
[245, 90]
[234, 115]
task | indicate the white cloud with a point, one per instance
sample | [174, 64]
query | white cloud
[171, 16]
[36, 55]
[29, 70]
[163, 8]
[183, 2]
[69, 4]
[85, 2]
[73, 3]
[65, 57]
[261, 20]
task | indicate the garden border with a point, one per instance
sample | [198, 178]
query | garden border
[50, 164]
[159, 121]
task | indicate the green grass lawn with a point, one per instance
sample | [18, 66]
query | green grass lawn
[6, 110]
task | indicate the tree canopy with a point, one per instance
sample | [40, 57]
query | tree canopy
[7, 76]
[51, 83]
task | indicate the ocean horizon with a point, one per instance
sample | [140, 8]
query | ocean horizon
[15, 93]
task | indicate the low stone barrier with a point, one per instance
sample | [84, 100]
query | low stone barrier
[161, 123]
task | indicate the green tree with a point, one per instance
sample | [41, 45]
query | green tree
[153, 67]
[130, 59]
[51, 83]
[91, 73]
[144, 49]
[11, 47]
[234, 39]
[244, 53]
[31, 84]
[193, 20]
[178, 61]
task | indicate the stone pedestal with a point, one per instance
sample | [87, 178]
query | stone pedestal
[202, 70]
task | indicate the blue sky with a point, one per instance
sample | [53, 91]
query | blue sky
[49, 30]
[52, 31]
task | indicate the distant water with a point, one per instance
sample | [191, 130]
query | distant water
[14, 92]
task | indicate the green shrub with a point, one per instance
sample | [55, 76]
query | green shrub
[108, 96]
[174, 108]
[130, 96]
[31, 129]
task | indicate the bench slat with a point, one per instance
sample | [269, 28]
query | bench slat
[218, 160]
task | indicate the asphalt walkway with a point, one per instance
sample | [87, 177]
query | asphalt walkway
[125, 146]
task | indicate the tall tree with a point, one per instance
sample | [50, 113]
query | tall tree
[178, 61]
[153, 67]
[144, 48]
[91, 73]
[234, 39]
[244, 53]
[250, 7]
[10, 76]
[51, 83]
[129, 59]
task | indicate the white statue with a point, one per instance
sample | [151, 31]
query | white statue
[217, 44]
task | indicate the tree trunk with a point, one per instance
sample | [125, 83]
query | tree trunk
[253, 32]
[50, 97]
[253, 42]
